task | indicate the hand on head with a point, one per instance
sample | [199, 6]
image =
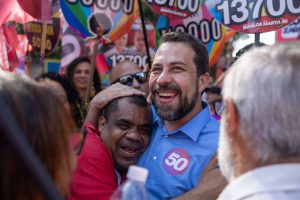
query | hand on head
[105, 96]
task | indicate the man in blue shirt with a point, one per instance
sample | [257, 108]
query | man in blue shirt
[184, 135]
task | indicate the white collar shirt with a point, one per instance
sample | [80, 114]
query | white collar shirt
[279, 181]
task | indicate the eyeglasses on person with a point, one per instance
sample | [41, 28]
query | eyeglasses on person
[140, 77]
[217, 108]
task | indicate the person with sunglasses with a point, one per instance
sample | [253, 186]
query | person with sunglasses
[130, 74]
[214, 100]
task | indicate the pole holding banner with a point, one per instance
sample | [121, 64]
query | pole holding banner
[99, 41]
[256, 38]
[145, 33]
[43, 46]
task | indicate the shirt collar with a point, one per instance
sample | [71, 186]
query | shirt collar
[264, 179]
[199, 121]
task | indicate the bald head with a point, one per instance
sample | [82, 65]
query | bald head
[128, 68]
[123, 68]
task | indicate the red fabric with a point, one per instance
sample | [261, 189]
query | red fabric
[94, 177]
[12, 43]
[101, 64]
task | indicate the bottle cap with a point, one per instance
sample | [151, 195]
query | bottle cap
[137, 173]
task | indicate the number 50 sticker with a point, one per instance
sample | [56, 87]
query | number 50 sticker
[176, 161]
[252, 16]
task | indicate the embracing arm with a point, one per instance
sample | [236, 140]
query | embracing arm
[104, 97]
[210, 186]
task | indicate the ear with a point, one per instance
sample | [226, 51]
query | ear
[203, 81]
[101, 123]
[232, 120]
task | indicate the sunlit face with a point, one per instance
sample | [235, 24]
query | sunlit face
[225, 153]
[126, 133]
[173, 81]
[121, 43]
[139, 42]
[81, 75]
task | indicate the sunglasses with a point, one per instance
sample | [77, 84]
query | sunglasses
[140, 77]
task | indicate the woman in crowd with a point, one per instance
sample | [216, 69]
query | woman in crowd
[78, 73]
[47, 126]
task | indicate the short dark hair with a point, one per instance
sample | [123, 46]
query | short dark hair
[213, 90]
[247, 48]
[201, 54]
[114, 104]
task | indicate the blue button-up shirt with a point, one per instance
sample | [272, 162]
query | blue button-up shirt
[176, 159]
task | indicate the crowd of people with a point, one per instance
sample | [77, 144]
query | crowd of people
[238, 142]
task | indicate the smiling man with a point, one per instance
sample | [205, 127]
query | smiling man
[184, 136]
[124, 132]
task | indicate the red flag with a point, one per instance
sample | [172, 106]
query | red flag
[101, 64]
[11, 35]
[12, 43]
[3, 52]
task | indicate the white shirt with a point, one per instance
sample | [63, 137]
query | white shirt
[273, 182]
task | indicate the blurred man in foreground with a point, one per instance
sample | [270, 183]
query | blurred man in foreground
[259, 149]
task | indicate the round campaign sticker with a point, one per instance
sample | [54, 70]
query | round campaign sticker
[175, 9]
[176, 161]
[250, 16]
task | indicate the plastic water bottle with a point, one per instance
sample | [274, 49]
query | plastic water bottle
[134, 187]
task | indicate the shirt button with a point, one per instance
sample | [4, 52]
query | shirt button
[154, 157]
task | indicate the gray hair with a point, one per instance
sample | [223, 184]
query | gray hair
[264, 85]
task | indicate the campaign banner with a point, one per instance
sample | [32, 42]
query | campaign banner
[86, 16]
[175, 9]
[289, 33]
[249, 16]
[204, 27]
[34, 31]
[131, 45]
